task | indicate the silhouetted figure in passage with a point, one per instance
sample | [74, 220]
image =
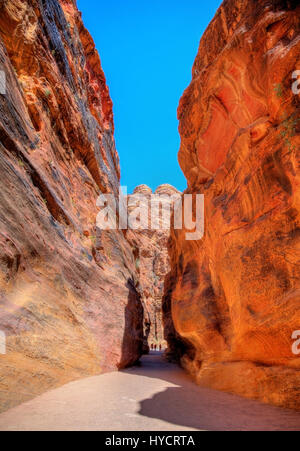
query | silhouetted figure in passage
[151, 346]
[155, 347]
[160, 347]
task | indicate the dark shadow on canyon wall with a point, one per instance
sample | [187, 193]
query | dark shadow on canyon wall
[192, 406]
[132, 346]
[177, 347]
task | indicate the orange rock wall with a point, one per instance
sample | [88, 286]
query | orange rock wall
[234, 296]
[69, 305]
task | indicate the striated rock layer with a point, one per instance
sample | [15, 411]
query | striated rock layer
[152, 261]
[69, 306]
[234, 295]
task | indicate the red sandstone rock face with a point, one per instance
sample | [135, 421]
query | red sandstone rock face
[234, 295]
[68, 299]
[152, 263]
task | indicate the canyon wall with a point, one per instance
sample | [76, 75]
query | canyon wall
[69, 304]
[234, 296]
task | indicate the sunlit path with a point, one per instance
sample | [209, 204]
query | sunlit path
[155, 396]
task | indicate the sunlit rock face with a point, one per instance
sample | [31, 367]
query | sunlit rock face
[234, 295]
[69, 306]
[152, 261]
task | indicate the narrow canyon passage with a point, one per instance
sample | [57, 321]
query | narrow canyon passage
[81, 300]
[153, 396]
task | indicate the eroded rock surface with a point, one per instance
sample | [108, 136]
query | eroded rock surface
[68, 300]
[234, 296]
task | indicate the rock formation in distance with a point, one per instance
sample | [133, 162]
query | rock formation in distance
[152, 262]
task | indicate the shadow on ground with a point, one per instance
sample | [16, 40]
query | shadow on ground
[191, 406]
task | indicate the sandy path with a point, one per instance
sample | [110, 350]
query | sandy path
[156, 396]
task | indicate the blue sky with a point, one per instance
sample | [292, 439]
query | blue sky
[147, 49]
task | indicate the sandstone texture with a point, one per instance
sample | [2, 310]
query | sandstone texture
[69, 304]
[152, 260]
[234, 296]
